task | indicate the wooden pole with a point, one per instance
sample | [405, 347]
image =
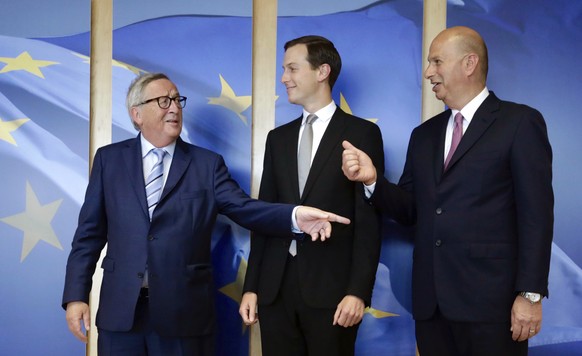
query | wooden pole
[263, 83]
[99, 118]
[434, 21]
[263, 111]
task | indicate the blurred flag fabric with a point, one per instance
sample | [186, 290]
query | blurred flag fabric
[44, 146]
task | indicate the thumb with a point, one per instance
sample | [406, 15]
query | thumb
[347, 145]
[87, 320]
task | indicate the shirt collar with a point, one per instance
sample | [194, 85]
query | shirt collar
[146, 147]
[471, 108]
[324, 114]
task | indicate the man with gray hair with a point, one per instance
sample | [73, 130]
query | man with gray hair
[154, 200]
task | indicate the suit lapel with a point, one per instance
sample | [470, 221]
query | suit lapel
[180, 163]
[331, 138]
[439, 144]
[484, 117]
[132, 156]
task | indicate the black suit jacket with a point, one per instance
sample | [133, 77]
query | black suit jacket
[345, 264]
[484, 227]
[175, 244]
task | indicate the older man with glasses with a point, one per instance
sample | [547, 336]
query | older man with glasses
[154, 200]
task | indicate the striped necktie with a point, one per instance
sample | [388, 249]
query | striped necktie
[155, 180]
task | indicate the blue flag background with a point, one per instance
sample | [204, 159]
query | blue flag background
[534, 48]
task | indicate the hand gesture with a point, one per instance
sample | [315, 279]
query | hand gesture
[317, 223]
[357, 165]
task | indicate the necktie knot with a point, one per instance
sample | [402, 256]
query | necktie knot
[459, 119]
[310, 119]
[159, 153]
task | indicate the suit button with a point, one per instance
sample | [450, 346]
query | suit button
[438, 243]
[439, 211]
[150, 237]
[140, 275]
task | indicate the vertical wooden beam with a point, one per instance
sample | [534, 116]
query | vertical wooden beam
[263, 91]
[434, 21]
[263, 83]
[100, 117]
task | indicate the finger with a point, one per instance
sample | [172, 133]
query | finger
[341, 319]
[339, 219]
[325, 232]
[252, 316]
[314, 235]
[347, 145]
[336, 316]
[532, 332]
[243, 314]
[524, 335]
[87, 320]
[78, 332]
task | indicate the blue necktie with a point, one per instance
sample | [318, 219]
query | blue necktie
[155, 180]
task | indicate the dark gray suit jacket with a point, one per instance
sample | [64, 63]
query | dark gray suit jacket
[484, 227]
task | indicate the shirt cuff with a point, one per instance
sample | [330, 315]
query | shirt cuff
[295, 227]
[369, 190]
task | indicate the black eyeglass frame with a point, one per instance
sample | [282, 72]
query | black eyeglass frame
[180, 101]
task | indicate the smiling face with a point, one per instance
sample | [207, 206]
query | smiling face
[457, 66]
[306, 86]
[445, 72]
[159, 126]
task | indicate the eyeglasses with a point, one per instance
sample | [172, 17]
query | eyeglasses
[164, 102]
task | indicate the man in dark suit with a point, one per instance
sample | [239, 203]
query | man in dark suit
[483, 213]
[157, 291]
[312, 297]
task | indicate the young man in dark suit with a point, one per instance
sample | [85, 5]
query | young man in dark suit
[157, 291]
[311, 297]
[477, 184]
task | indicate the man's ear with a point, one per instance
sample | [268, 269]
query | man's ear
[324, 71]
[470, 63]
[135, 116]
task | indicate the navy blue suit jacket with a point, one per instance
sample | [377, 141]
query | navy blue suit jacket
[484, 227]
[175, 244]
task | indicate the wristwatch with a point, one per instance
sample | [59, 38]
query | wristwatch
[533, 298]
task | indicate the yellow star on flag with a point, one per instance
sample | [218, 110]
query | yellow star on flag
[234, 290]
[6, 127]
[231, 101]
[114, 63]
[25, 62]
[345, 107]
[35, 222]
[378, 314]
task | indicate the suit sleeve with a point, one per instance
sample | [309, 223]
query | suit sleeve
[531, 167]
[367, 238]
[397, 201]
[255, 215]
[90, 238]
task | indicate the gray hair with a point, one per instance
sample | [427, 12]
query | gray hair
[136, 89]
